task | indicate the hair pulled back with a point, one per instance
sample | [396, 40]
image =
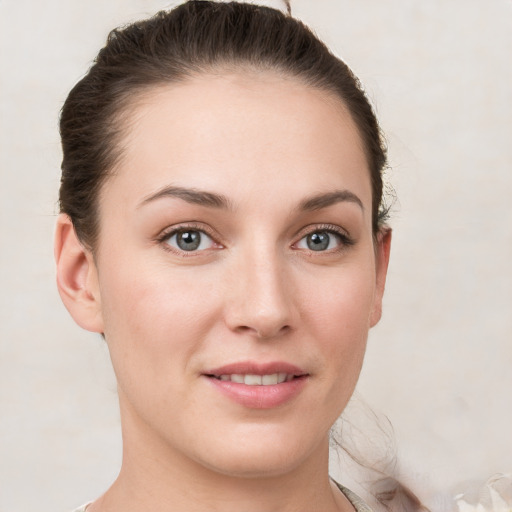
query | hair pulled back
[194, 38]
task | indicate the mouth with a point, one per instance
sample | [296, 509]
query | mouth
[251, 379]
[259, 386]
[251, 373]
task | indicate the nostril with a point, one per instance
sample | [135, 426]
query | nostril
[262, 332]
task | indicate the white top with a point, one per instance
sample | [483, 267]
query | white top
[82, 508]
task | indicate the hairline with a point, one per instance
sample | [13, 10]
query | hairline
[127, 103]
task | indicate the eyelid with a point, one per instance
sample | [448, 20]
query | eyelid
[346, 238]
[165, 234]
[169, 231]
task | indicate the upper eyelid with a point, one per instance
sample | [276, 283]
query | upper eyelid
[312, 228]
[195, 226]
[345, 239]
[162, 239]
[304, 231]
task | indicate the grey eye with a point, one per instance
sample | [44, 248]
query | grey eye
[318, 241]
[190, 240]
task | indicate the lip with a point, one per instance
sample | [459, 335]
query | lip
[258, 397]
[254, 368]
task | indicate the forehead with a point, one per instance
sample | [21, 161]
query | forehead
[241, 133]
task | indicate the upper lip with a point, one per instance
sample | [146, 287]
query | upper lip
[254, 368]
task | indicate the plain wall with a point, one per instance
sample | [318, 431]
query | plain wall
[439, 363]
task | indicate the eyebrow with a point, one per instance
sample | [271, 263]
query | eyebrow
[324, 200]
[213, 200]
[190, 195]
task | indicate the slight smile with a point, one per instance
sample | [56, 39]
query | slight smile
[256, 380]
[258, 386]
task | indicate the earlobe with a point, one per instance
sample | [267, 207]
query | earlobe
[382, 251]
[77, 278]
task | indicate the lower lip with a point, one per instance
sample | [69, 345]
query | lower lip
[260, 397]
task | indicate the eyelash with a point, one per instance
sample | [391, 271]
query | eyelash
[331, 229]
[345, 239]
[174, 230]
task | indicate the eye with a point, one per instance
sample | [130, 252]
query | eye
[189, 240]
[322, 240]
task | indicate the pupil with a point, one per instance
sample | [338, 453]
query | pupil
[318, 241]
[189, 240]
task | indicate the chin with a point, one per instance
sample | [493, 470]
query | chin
[261, 456]
[266, 465]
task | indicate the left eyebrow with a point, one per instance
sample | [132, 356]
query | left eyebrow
[324, 200]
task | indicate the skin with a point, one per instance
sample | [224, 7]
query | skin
[254, 291]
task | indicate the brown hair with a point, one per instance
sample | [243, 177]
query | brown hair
[194, 38]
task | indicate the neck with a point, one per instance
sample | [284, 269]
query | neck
[156, 477]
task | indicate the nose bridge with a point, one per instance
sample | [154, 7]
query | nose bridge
[261, 302]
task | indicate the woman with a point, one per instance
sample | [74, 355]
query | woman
[222, 227]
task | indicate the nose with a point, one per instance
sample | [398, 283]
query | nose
[261, 296]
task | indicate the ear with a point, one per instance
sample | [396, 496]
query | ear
[382, 250]
[77, 277]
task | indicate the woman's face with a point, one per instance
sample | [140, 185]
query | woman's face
[236, 252]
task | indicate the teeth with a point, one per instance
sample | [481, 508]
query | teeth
[252, 380]
[257, 380]
[269, 379]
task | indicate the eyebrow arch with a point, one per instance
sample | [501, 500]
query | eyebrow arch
[328, 199]
[190, 195]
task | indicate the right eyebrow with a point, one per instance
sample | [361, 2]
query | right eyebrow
[190, 195]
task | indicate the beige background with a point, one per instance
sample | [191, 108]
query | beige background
[439, 365]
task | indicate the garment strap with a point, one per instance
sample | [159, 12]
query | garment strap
[354, 499]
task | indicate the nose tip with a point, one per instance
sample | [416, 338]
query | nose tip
[261, 301]
[264, 325]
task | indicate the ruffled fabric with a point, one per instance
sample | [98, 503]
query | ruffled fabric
[494, 496]
[82, 508]
[354, 499]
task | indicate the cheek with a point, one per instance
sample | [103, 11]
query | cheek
[338, 309]
[154, 320]
[340, 302]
